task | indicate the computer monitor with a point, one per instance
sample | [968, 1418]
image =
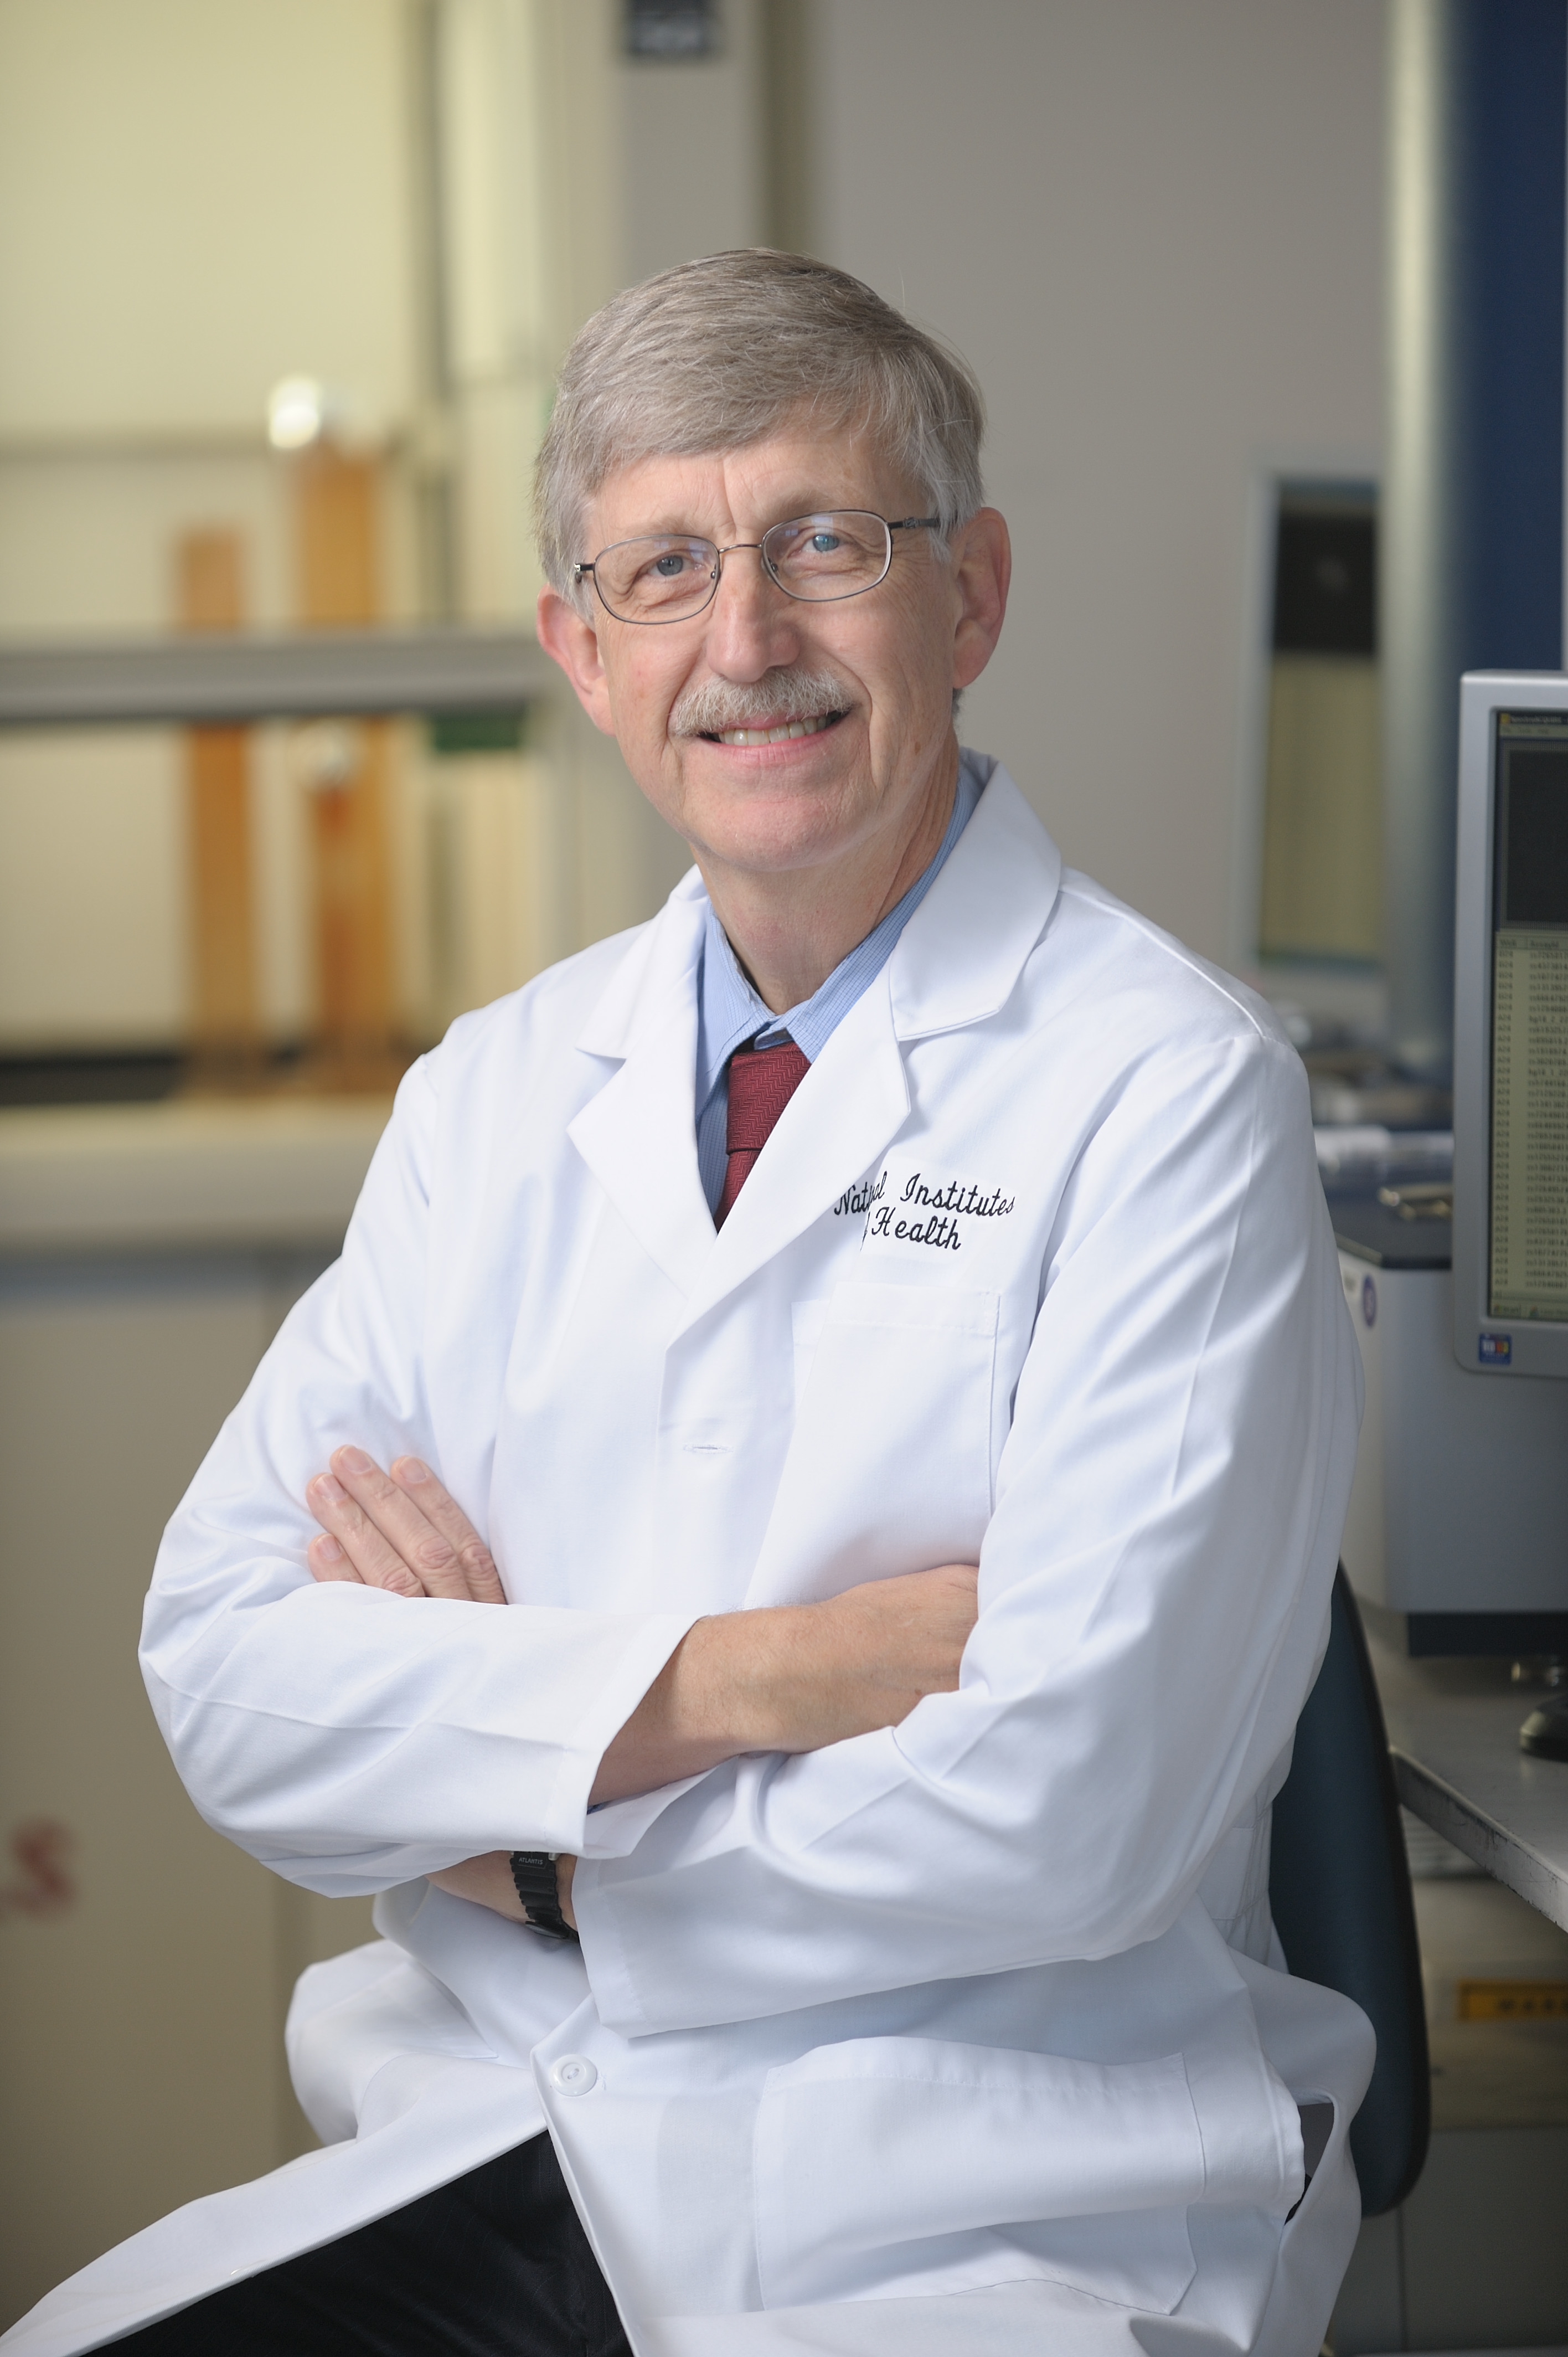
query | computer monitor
[1511, 1029]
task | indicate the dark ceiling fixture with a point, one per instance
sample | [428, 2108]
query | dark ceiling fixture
[671, 32]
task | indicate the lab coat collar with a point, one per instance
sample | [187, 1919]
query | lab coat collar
[963, 949]
[638, 1134]
[956, 963]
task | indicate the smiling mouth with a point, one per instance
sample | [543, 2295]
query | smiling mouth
[779, 735]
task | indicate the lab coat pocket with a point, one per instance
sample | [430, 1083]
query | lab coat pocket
[885, 2166]
[890, 1467]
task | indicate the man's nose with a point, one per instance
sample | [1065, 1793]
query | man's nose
[752, 626]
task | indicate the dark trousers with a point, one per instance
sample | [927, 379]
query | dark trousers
[495, 2264]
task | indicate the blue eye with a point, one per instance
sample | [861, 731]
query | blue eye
[668, 565]
[823, 543]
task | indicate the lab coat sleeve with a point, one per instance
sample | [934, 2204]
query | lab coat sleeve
[350, 1739]
[1153, 1584]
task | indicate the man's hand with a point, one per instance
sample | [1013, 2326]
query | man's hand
[794, 1678]
[790, 1677]
[400, 1530]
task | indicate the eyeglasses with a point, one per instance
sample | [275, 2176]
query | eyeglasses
[667, 577]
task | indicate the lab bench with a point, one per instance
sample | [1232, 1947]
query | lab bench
[1473, 2259]
[1453, 1731]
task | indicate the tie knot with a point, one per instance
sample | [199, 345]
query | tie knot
[761, 1082]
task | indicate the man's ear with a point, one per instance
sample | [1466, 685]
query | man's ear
[574, 644]
[983, 567]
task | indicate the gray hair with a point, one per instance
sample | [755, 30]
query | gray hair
[718, 354]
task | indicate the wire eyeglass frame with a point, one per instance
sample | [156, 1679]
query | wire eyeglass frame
[694, 542]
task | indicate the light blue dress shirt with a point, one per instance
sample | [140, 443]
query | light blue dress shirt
[729, 1011]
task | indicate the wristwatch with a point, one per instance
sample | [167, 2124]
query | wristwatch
[533, 1873]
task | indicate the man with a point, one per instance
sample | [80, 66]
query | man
[895, 1203]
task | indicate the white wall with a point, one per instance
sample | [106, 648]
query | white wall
[141, 2014]
[198, 197]
[692, 153]
[1154, 228]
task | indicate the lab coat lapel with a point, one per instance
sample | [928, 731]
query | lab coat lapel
[955, 963]
[638, 1135]
[854, 1098]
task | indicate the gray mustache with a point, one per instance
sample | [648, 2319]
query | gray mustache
[783, 695]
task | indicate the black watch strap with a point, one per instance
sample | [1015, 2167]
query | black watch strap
[533, 1873]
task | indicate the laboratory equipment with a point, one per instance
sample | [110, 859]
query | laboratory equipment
[1456, 1278]
[1511, 1030]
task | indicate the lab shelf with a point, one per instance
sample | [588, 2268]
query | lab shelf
[225, 676]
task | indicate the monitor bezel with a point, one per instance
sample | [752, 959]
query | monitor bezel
[1536, 1346]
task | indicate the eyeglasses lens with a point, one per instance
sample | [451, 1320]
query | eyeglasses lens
[825, 557]
[657, 579]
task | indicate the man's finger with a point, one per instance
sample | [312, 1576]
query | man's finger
[428, 1553]
[375, 1559]
[440, 1508]
[327, 1560]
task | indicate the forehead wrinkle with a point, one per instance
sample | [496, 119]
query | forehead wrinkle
[662, 531]
[790, 514]
[851, 451]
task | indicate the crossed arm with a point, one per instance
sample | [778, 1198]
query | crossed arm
[786, 1678]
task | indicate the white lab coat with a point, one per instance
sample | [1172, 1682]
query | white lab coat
[966, 2036]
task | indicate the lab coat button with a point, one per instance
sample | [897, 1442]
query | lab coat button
[573, 2074]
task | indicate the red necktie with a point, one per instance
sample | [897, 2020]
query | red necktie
[762, 1083]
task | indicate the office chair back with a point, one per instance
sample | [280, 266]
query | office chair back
[1339, 1890]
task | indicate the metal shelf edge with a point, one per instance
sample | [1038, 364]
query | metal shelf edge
[233, 678]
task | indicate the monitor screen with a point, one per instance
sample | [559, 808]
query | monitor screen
[1510, 1027]
[1528, 1271]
